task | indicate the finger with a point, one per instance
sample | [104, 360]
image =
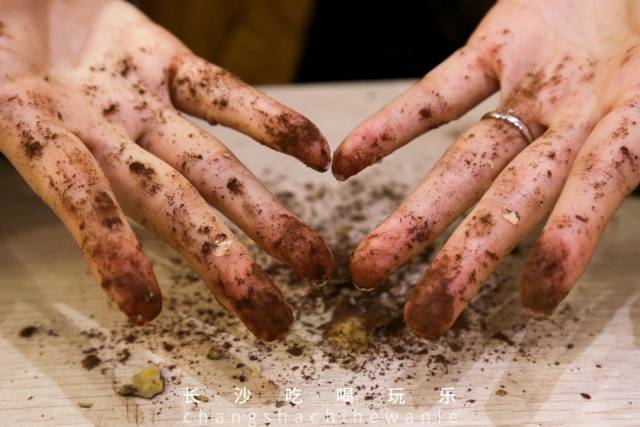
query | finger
[160, 198]
[225, 183]
[446, 93]
[216, 95]
[459, 178]
[606, 170]
[60, 169]
[519, 198]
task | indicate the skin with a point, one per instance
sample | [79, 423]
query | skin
[569, 70]
[90, 101]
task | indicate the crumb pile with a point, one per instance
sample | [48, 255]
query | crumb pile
[337, 327]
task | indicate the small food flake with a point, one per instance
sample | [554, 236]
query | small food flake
[85, 405]
[349, 334]
[255, 371]
[343, 230]
[222, 248]
[511, 216]
[501, 392]
[147, 383]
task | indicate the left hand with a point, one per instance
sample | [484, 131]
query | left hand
[569, 70]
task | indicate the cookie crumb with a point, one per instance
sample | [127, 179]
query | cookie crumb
[147, 383]
[511, 216]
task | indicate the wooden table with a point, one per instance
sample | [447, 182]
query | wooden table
[581, 367]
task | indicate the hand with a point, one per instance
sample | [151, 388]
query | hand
[89, 117]
[570, 70]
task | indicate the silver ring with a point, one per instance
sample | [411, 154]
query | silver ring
[513, 121]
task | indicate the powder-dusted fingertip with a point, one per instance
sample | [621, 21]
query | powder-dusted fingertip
[544, 279]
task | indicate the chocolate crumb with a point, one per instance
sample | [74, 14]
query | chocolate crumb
[124, 356]
[425, 113]
[502, 337]
[295, 350]
[140, 169]
[32, 148]
[110, 109]
[28, 331]
[234, 185]
[91, 361]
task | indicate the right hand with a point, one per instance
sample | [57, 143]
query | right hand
[90, 94]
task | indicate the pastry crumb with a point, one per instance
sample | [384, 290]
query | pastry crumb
[511, 216]
[147, 383]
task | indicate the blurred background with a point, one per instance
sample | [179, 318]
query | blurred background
[283, 41]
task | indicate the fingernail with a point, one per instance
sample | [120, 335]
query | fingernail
[339, 177]
[318, 283]
[358, 287]
[319, 168]
[534, 313]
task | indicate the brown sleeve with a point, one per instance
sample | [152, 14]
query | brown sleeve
[260, 41]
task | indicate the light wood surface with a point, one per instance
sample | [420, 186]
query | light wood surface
[590, 347]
